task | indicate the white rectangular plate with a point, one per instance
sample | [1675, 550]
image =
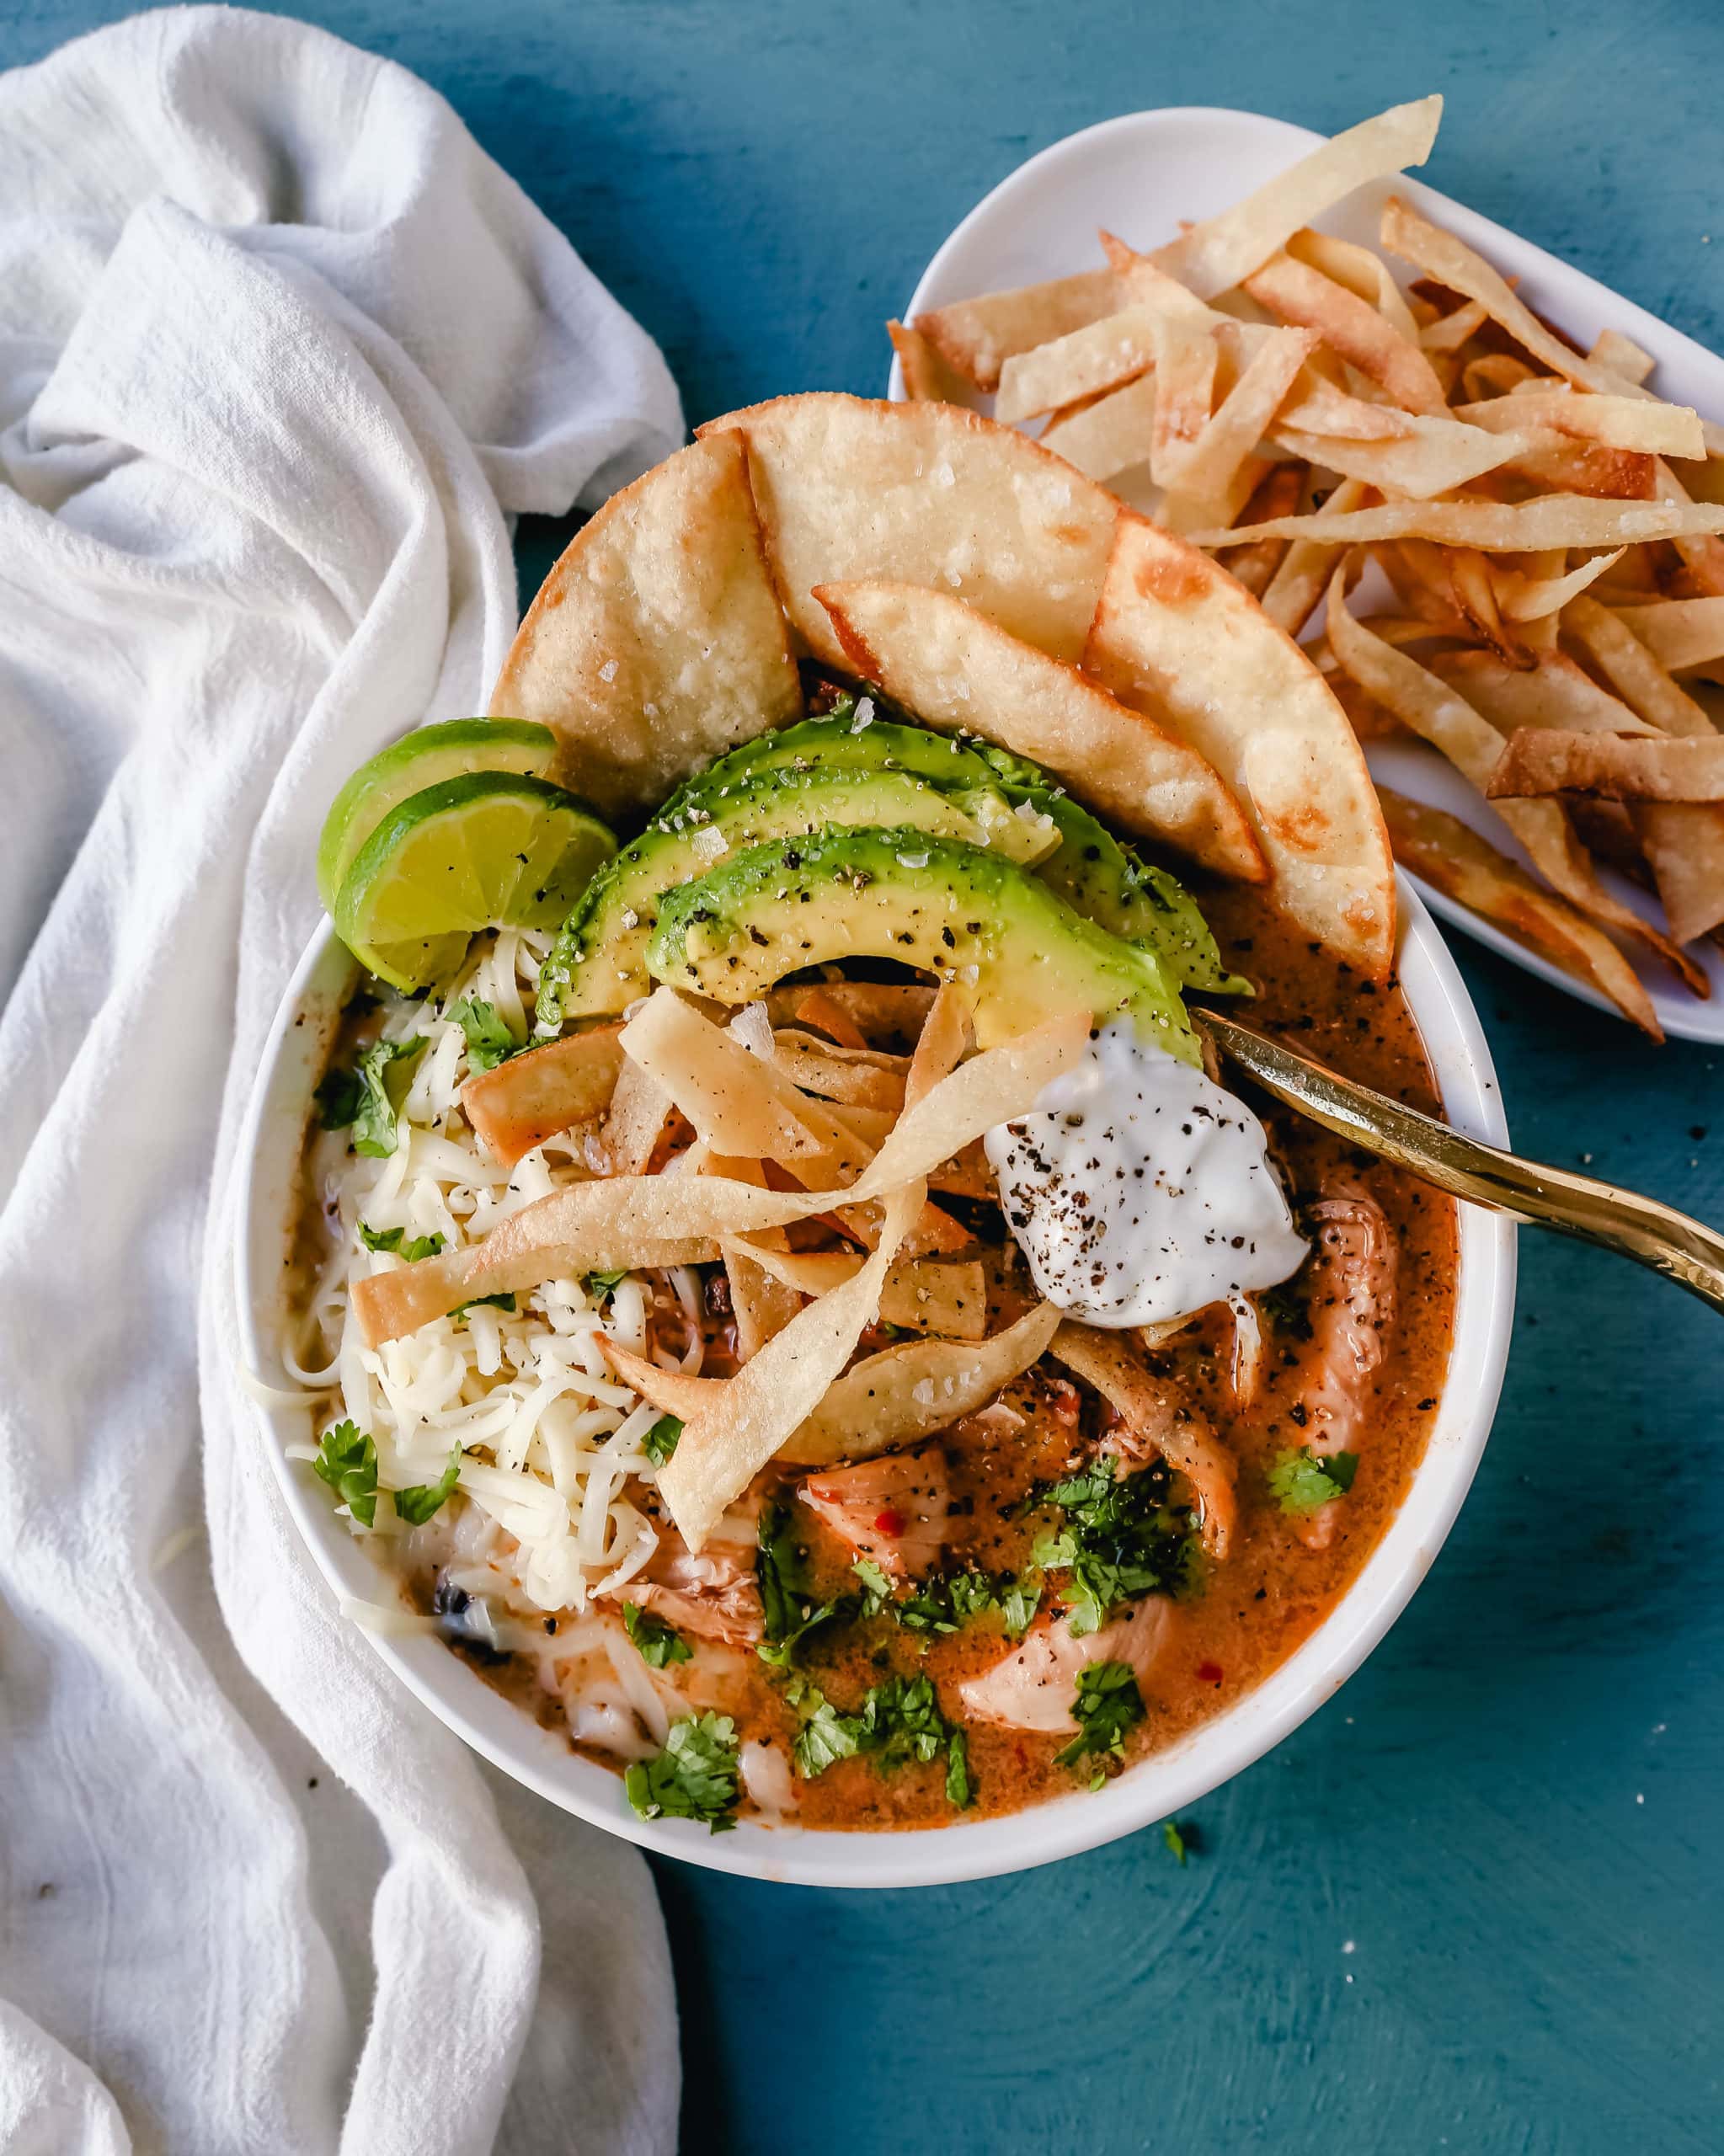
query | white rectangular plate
[1141, 176]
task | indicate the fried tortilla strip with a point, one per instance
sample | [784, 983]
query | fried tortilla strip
[940, 1295]
[1621, 355]
[1209, 470]
[977, 337]
[1681, 633]
[1614, 767]
[656, 641]
[1702, 554]
[1634, 672]
[1352, 327]
[1683, 842]
[628, 1220]
[1224, 250]
[1449, 332]
[1630, 422]
[1109, 435]
[1253, 568]
[1496, 527]
[1434, 457]
[1533, 598]
[724, 1447]
[1360, 270]
[640, 1111]
[953, 667]
[1090, 361]
[1187, 359]
[927, 379]
[1174, 635]
[906, 1393]
[862, 1076]
[856, 1014]
[1442, 716]
[531, 1098]
[1469, 869]
[736, 1103]
[1296, 589]
[1156, 1416]
[933, 494]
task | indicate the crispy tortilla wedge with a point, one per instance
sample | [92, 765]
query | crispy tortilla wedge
[848, 487]
[1176, 637]
[953, 668]
[656, 641]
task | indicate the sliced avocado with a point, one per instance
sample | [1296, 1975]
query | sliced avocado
[953, 910]
[1091, 871]
[599, 964]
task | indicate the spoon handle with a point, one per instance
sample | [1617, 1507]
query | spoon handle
[1656, 1236]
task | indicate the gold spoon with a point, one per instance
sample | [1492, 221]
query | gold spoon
[1656, 1236]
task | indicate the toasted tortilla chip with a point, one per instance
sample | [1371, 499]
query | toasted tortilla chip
[630, 1220]
[640, 1113]
[1569, 467]
[529, 1098]
[927, 379]
[904, 1394]
[1702, 554]
[1208, 469]
[1679, 633]
[1469, 869]
[862, 1076]
[1496, 527]
[1140, 282]
[761, 1306]
[1614, 767]
[1634, 672]
[1433, 457]
[1157, 1415]
[1621, 355]
[1442, 716]
[1361, 272]
[931, 493]
[1109, 435]
[1106, 353]
[1449, 332]
[1352, 327]
[656, 641]
[953, 667]
[978, 336]
[1174, 635]
[1224, 250]
[1631, 423]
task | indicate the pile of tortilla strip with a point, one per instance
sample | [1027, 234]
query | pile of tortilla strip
[1552, 576]
[1538, 531]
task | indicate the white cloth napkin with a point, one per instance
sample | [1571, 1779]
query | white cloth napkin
[278, 350]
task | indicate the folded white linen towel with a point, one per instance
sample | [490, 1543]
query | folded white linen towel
[280, 350]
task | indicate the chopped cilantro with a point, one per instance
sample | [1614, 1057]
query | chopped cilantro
[1302, 1481]
[1120, 1539]
[347, 1460]
[694, 1777]
[660, 1644]
[1019, 1603]
[1107, 1704]
[369, 1096]
[878, 1588]
[1181, 1841]
[899, 1720]
[957, 1788]
[598, 1285]
[825, 1736]
[503, 1302]
[489, 1040]
[949, 1601]
[788, 1609]
[419, 1501]
[660, 1441]
[412, 1248]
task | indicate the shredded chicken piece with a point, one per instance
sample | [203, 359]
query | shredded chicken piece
[1352, 1302]
[893, 1509]
[715, 1596]
[1033, 1686]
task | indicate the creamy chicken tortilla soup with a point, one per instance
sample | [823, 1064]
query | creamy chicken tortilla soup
[1117, 1376]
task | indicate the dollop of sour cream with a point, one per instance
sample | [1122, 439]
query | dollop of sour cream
[1139, 1190]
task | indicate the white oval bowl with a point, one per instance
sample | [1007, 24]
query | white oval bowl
[976, 1849]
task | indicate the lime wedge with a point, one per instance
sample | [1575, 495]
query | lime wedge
[425, 757]
[488, 849]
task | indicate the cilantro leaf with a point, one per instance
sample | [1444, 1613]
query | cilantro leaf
[694, 1777]
[660, 1644]
[1019, 1603]
[489, 1040]
[347, 1460]
[825, 1736]
[369, 1096]
[503, 1302]
[958, 1783]
[660, 1441]
[779, 1653]
[1120, 1539]
[878, 1590]
[901, 1720]
[598, 1285]
[1107, 1704]
[947, 1602]
[1302, 1481]
[787, 1607]
[412, 1248]
[418, 1502]
[1181, 1841]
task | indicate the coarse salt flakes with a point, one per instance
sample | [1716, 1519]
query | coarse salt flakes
[608, 672]
[864, 715]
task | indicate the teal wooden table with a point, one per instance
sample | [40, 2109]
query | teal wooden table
[1476, 1903]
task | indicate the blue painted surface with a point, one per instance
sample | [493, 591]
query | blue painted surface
[1476, 1903]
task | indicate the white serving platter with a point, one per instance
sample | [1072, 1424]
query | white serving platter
[1140, 176]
